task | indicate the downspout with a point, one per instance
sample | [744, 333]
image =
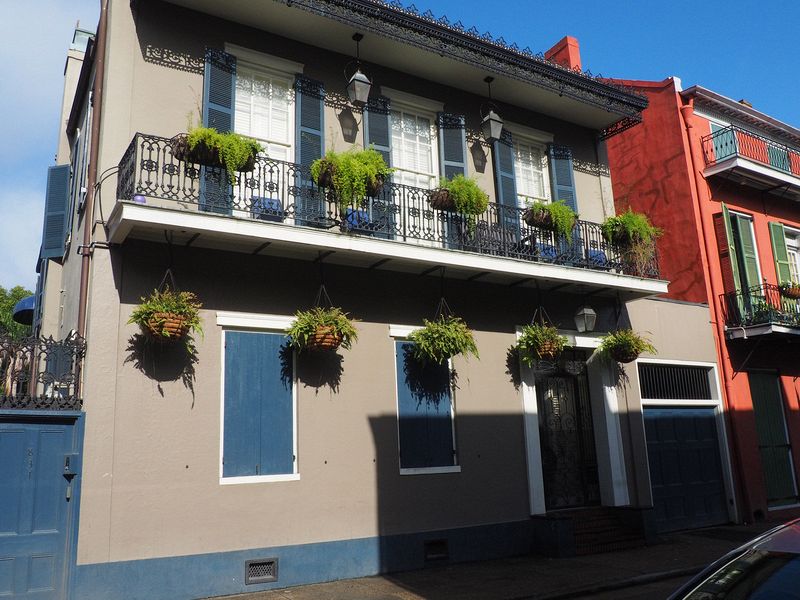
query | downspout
[718, 329]
[91, 178]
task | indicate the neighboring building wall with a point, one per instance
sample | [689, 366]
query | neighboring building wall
[651, 173]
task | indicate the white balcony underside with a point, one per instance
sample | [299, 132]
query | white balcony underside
[234, 234]
[757, 175]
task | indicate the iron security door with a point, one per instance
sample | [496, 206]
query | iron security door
[569, 458]
[685, 468]
[35, 507]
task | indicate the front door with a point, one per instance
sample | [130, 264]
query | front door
[36, 462]
[569, 459]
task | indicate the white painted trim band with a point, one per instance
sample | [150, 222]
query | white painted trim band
[253, 320]
[402, 331]
[259, 479]
[431, 470]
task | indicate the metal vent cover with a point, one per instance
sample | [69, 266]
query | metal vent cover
[261, 570]
[436, 550]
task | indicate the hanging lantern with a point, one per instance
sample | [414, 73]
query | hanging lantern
[585, 319]
[359, 85]
[491, 123]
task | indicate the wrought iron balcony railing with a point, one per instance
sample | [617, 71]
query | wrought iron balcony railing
[40, 373]
[280, 192]
[760, 305]
[733, 141]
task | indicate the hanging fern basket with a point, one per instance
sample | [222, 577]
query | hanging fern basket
[204, 154]
[791, 291]
[623, 355]
[441, 199]
[324, 339]
[538, 218]
[166, 327]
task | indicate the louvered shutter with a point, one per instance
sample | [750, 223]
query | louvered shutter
[219, 100]
[729, 265]
[562, 175]
[310, 205]
[55, 211]
[452, 145]
[782, 267]
[748, 252]
[506, 188]
[378, 135]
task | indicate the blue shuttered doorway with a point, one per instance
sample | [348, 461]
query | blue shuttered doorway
[685, 468]
[259, 405]
[38, 498]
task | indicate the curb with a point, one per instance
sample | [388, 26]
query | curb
[617, 585]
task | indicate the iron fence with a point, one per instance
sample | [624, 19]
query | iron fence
[760, 305]
[282, 192]
[40, 373]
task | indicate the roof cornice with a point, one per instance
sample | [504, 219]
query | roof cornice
[407, 25]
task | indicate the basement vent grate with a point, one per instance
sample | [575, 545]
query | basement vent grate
[436, 550]
[263, 570]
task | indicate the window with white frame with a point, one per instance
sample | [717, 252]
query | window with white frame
[264, 109]
[793, 250]
[425, 423]
[259, 407]
[530, 171]
[414, 153]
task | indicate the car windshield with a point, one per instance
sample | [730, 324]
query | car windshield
[755, 575]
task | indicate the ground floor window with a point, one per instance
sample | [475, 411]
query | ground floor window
[424, 413]
[259, 410]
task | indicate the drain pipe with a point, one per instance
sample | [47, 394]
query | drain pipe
[718, 329]
[91, 178]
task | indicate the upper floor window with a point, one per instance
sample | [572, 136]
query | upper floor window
[414, 153]
[747, 267]
[530, 170]
[793, 252]
[263, 109]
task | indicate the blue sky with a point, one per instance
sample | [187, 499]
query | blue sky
[739, 48]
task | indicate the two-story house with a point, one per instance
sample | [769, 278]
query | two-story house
[728, 177]
[245, 467]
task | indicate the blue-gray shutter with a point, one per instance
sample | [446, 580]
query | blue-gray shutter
[378, 135]
[425, 421]
[219, 100]
[258, 427]
[506, 187]
[377, 128]
[55, 211]
[452, 145]
[562, 176]
[310, 205]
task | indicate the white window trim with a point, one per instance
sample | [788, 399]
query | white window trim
[536, 136]
[257, 323]
[279, 66]
[411, 101]
[398, 333]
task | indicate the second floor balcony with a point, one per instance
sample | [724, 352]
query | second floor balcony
[277, 205]
[760, 310]
[753, 159]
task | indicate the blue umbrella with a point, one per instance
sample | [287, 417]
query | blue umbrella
[23, 310]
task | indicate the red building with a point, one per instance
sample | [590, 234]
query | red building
[723, 181]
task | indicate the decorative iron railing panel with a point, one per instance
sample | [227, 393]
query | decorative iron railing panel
[733, 141]
[40, 373]
[282, 192]
[760, 305]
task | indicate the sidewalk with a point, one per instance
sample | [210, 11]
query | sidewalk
[535, 577]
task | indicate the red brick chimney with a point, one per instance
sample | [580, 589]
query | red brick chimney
[566, 53]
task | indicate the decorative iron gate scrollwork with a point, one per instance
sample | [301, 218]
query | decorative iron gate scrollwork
[40, 373]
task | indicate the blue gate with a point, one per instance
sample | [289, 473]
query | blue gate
[38, 463]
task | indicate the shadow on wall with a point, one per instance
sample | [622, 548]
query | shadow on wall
[163, 362]
[314, 369]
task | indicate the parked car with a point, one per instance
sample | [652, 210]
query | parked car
[766, 568]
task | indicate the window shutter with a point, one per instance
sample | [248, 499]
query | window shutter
[55, 211]
[452, 145]
[219, 100]
[219, 90]
[748, 252]
[309, 106]
[377, 130]
[782, 267]
[505, 182]
[258, 421]
[562, 175]
[727, 251]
